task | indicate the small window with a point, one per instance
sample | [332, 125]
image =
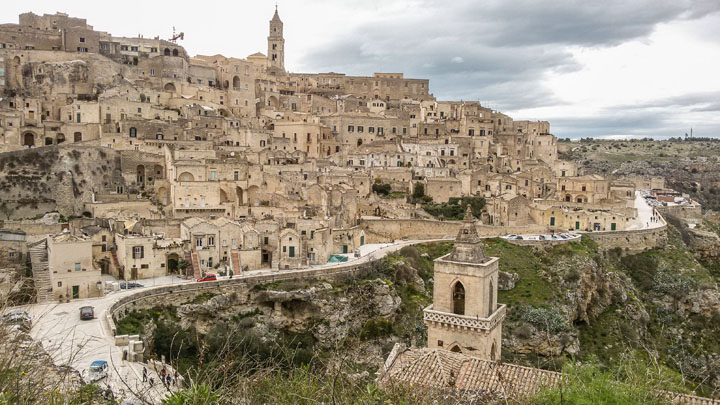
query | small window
[77, 266]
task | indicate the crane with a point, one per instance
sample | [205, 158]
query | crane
[175, 36]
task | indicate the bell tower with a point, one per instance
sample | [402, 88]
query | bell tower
[276, 43]
[465, 316]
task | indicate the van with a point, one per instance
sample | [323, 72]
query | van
[98, 370]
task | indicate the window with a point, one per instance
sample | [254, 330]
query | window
[144, 266]
[212, 175]
[351, 128]
[236, 175]
[292, 251]
[59, 283]
[138, 252]
[133, 132]
[82, 39]
[211, 241]
[360, 128]
[265, 240]
[77, 266]
[152, 71]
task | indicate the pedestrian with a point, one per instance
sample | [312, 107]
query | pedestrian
[144, 374]
[152, 381]
[176, 377]
[169, 380]
[163, 373]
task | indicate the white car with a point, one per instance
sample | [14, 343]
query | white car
[98, 370]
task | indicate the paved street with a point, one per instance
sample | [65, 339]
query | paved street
[78, 343]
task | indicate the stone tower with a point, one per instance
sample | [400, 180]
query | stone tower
[276, 44]
[465, 316]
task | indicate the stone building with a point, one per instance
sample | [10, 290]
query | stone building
[465, 316]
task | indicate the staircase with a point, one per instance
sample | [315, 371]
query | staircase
[41, 271]
[115, 262]
[235, 262]
[196, 265]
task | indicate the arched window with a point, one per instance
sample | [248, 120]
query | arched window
[167, 52]
[175, 52]
[458, 296]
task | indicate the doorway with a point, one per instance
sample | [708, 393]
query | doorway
[76, 292]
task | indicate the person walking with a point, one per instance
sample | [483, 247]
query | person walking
[144, 374]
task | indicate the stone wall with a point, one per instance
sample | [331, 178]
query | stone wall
[182, 293]
[636, 240]
[387, 230]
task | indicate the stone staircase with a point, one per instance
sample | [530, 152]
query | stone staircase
[235, 261]
[196, 265]
[41, 271]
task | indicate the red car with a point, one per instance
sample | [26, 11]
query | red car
[207, 277]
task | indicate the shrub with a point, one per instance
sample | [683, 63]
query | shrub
[381, 189]
[546, 319]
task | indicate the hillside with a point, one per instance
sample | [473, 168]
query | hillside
[661, 306]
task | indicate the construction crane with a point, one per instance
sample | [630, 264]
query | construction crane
[175, 36]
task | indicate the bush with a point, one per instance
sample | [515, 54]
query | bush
[641, 268]
[546, 319]
[381, 189]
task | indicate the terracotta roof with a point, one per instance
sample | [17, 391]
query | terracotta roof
[445, 370]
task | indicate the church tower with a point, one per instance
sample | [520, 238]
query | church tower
[465, 316]
[276, 44]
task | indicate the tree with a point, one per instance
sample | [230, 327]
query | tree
[419, 191]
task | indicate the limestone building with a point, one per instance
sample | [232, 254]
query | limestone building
[465, 316]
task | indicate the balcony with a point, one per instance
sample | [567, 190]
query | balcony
[463, 321]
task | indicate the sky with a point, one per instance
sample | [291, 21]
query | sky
[628, 68]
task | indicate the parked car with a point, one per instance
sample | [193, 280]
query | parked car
[98, 370]
[511, 236]
[18, 319]
[87, 313]
[207, 277]
[130, 284]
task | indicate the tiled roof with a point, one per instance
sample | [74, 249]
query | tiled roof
[445, 370]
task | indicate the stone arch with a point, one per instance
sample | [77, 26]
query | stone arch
[236, 83]
[458, 298]
[581, 198]
[77, 137]
[173, 259]
[252, 196]
[28, 139]
[170, 87]
[223, 196]
[226, 85]
[166, 52]
[140, 174]
[59, 138]
[48, 141]
[186, 176]
[272, 102]
[175, 52]
[240, 194]
[568, 197]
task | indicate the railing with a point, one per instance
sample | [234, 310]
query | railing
[463, 321]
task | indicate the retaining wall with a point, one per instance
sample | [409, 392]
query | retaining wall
[182, 293]
[388, 230]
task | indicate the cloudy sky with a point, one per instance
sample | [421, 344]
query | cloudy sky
[591, 68]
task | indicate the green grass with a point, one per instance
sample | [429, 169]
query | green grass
[532, 288]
